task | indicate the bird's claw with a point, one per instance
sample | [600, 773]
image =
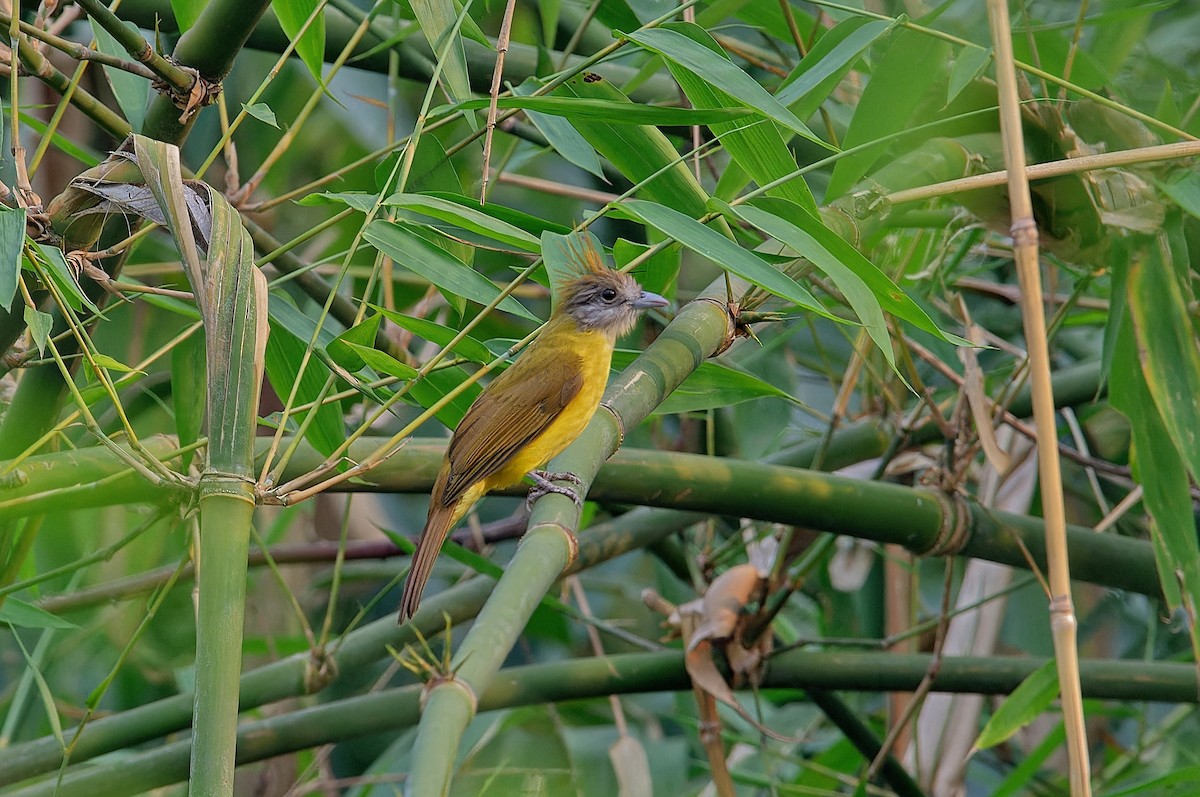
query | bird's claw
[558, 476]
[543, 486]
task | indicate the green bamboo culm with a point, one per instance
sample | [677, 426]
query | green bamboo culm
[231, 296]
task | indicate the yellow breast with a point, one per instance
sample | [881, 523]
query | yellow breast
[594, 352]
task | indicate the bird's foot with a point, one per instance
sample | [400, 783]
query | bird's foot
[542, 485]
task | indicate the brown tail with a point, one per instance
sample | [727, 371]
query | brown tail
[437, 526]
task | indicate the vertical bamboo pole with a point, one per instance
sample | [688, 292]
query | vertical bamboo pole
[1025, 252]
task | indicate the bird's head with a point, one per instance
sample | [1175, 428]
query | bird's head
[606, 301]
[600, 299]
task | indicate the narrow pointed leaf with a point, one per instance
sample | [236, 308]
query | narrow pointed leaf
[725, 253]
[449, 274]
[722, 73]
[468, 218]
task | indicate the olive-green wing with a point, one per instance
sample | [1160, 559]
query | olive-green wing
[515, 408]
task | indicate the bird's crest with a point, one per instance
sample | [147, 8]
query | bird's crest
[583, 257]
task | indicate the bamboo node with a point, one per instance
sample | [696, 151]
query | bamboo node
[1061, 606]
[954, 532]
[1024, 232]
[618, 420]
[565, 531]
[731, 322]
[449, 681]
[320, 669]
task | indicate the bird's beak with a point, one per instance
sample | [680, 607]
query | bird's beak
[646, 299]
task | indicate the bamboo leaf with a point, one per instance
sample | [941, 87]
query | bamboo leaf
[640, 152]
[187, 12]
[1167, 348]
[437, 19]
[382, 362]
[131, 91]
[361, 335]
[758, 148]
[889, 102]
[433, 332]
[12, 244]
[862, 300]
[834, 54]
[466, 217]
[292, 14]
[25, 615]
[449, 274]
[263, 113]
[283, 355]
[725, 253]
[722, 73]
[563, 138]
[52, 266]
[1027, 701]
[40, 324]
[613, 112]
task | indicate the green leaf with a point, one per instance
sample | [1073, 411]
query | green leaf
[437, 385]
[359, 200]
[381, 362]
[969, 65]
[1158, 464]
[188, 389]
[262, 112]
[534, 225]
[361, 335]
[758, 148]
[562, 137]
[187, 12]
[26, 615]
[39, 324]
[641, 153]
[437, 19]
[853, 287]
[1167, 347]
[283, 356]
[1184, 189]
[53, 266]
[113, 364]
[722, 74]
[710, 386]
[131, 91]
[620, 113]
[433, 332]
[292, 14]
[468, 218]
[12, 244]
[890, 101]
[834, 54]
[1027, 701]
[449, 274]
[725, 253]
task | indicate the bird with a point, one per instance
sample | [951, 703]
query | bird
[531, 412]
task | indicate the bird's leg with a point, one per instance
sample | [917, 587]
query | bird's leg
[542, 485]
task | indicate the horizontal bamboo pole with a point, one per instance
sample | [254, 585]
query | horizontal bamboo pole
[392, 709]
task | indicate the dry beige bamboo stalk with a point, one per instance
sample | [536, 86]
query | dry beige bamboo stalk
[1025, 251]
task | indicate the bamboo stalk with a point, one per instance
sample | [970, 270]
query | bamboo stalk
[630, 673]
[1025, 251]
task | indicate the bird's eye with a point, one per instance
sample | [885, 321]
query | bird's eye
[608, 294]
